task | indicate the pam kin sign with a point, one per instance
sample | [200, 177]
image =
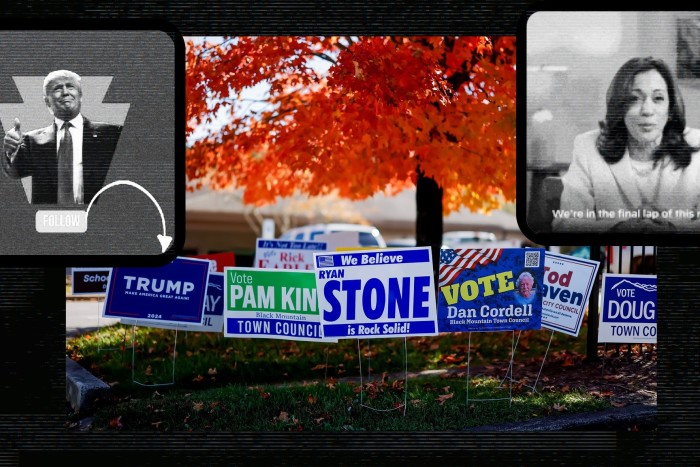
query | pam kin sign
[629, 309]
[567, 286]
[286, 254]
[377, 293]
[272, 304]
[490, 289]
[171, 294]
[89, 281]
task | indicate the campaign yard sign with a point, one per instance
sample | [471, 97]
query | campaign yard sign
[490, 289]
[568, 281]
[170, 294]
[628, 315]
[286, 254]
[219, 260]
[213, 320]
[89, 281]
[377, 293]
[273, 304]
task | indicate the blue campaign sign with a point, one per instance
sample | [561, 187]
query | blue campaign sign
[376, 293]
[213, 320]
[496, 289]
[171, 294]
[629, 309]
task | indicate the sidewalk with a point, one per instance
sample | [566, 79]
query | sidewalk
[83, 315]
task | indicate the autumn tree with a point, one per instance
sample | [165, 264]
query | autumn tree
[382, 115]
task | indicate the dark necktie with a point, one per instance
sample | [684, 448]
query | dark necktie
[65, 168]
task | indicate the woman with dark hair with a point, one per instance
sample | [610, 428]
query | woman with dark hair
[639, 172]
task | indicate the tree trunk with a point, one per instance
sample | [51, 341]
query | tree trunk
[429, 217]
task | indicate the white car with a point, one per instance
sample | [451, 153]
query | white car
[369, 236]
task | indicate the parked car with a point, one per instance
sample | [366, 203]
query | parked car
[401, 242]
[466, 239]
[369, 236]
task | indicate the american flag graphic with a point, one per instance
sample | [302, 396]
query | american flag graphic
[453, 262]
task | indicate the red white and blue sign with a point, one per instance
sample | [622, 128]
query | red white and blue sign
[286, 254]
[496, 289]
[171, 294]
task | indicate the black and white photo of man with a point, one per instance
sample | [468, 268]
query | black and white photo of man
[67, 160]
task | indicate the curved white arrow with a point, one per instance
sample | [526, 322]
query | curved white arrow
[163, 239]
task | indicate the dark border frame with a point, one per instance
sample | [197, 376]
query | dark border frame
[522, 205]
[114, 24]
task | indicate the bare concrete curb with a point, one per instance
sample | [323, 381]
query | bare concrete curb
[82, 387]
[643, 416]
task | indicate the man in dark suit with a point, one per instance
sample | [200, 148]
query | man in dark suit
[68, 160]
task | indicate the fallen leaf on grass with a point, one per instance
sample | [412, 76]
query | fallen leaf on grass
[320, 366]
[318, 421]
[565, 388]
[198, 378]
[149, 371]
[452, 358]
[312, 399]
[156, 424]
[442, 399]
[211, 371]
[567, 362]
[398, 385]
[116, 422]
[618, 404]
[559, 407]
[197, 406]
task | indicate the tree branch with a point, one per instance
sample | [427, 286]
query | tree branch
[324, 57]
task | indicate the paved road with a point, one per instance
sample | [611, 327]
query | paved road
[84, 316]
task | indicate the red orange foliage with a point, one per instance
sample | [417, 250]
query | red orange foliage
[384, 107]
